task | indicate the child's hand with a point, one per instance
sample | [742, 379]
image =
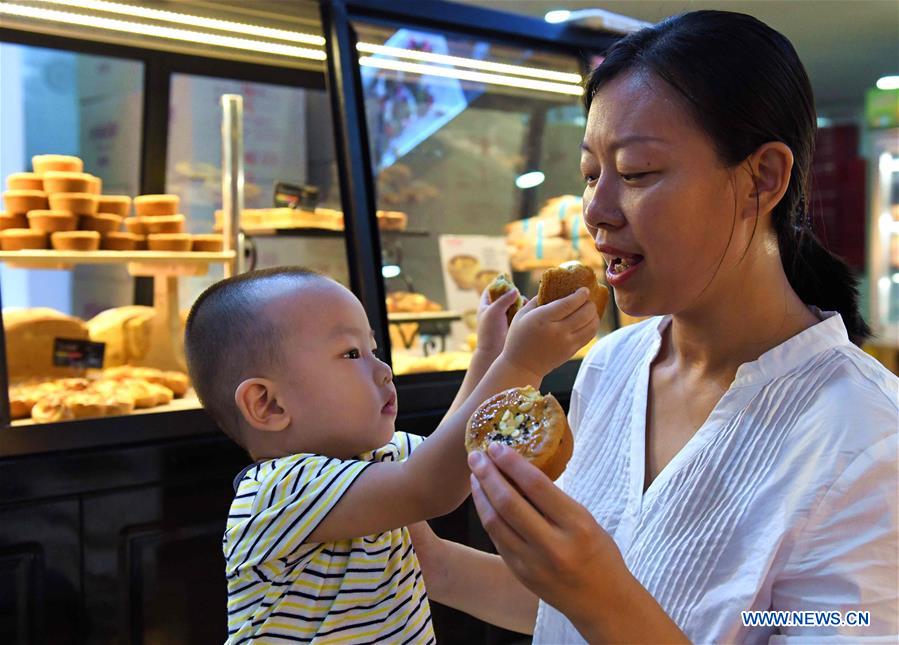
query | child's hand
[492, 322]
[542, 338]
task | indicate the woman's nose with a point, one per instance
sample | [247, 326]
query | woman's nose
[601, 207]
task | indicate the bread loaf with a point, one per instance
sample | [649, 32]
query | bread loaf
[126, 332]
[30, 335]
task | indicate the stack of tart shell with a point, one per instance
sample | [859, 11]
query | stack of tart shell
[60, 206]
[110, 392]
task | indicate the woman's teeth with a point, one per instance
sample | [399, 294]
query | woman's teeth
[620, 265]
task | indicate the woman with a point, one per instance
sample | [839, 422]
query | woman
[737, 451]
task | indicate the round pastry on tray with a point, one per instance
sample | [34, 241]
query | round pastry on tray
[20, 239]
[135, 225]
[75, 203]
[12, 220]
[95, 185]
[154, 205]
[51, 408]
[75, 240]
[208, 243]
[25, 181]
[101, 222]
[118, 204]
[56, 181]
[119, 241]
[52, 221]
[169, 242]
[65, 163]
[24, 200]
[526, 421]
[164, 223]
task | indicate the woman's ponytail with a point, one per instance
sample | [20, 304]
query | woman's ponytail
[818, 277]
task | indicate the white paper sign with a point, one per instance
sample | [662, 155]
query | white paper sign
[469, 263]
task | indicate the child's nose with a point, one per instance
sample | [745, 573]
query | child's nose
[383, 373]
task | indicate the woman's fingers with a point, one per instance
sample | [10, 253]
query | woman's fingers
[541, 493]
[506, 540]
[506, 501]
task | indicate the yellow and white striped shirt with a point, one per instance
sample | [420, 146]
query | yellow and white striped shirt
[282, 588]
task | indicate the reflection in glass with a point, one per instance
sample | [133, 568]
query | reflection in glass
[477, 145]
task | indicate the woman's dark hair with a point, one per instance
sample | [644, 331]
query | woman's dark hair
[745, 86]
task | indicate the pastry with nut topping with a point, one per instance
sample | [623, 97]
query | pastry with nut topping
[526, 421]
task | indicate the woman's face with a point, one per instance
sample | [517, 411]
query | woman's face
[658, 201]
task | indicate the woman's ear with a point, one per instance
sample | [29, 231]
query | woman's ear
[257, 400]
[767, 178]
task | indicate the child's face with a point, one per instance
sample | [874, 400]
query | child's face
[340, 396]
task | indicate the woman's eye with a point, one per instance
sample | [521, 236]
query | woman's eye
[353, 354]
[634, 176]
[590, 178]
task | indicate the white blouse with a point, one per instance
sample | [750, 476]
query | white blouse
[784, 499]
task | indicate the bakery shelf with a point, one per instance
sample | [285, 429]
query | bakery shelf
[316, 232]
[424, 316]
[36, 258]
[188, 402]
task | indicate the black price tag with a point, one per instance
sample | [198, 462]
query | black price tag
[69, 352]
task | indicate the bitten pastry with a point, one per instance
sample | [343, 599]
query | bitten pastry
[500, 285]
[568, 278]
[531, 424]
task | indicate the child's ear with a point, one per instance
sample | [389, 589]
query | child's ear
[256, 398]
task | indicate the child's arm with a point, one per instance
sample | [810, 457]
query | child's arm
[473, 581]
[434, 479]
[493, 326]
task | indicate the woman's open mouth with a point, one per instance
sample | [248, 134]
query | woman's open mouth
[620, 265]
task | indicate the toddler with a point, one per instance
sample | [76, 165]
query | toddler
[315, 545]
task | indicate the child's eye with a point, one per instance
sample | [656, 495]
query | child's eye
[352, 354]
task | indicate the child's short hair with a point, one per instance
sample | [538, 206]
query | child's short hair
[226, 340]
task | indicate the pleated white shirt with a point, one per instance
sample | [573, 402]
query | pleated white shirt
[785, 498]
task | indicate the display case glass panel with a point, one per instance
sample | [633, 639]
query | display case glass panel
[474, 150]
[292, 209]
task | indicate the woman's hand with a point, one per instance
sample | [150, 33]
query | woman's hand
[558, 550]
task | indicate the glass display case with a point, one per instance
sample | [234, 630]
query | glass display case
[883, 235]
[469, 171]
[473, 149]
[103, 519]
[93, 330]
